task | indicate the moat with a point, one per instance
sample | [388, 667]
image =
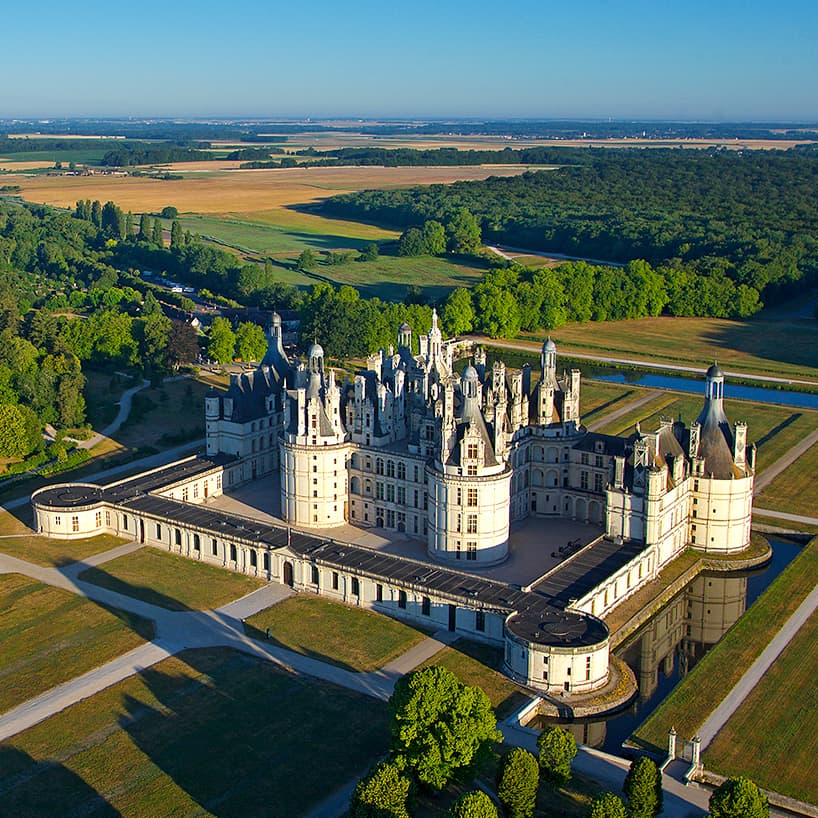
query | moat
[666, 648]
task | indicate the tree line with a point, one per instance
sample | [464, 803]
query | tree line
[744, 218]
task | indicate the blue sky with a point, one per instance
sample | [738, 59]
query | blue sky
[720, 60]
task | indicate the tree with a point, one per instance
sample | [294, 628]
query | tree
[434, 237]
[463, 232]
[151, 305]
[153, 347]
[112, 221]
[176, 238]
[222, 342]
[381, 794]
[145, 227]
[739, 798]
[518, 783]
[607, 805]
[183, 344]
[439, 725]
[96, 213]
[643, 788]
[306, 260]
[169, 212]
[475, 804]
[20, 431]
[129, 225]
[557, 750]
[250, 341]
[457, 312]
[156, 235]
[411, 243]
[369, 253]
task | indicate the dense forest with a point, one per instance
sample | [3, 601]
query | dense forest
[726, 219]
[127, 154]
[412, 157]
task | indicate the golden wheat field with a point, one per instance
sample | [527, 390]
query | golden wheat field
[237, 191]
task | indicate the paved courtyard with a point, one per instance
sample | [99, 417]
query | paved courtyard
[534, 544]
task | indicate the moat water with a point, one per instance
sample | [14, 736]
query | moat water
[669, 645]
[802, 400]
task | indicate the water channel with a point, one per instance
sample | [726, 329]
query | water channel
[803, 400]
[668, 646]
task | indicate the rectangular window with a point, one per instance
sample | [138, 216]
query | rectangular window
[98, 519]
[584, 458]
[583, 480]
[417, 474]
[184, 494]
[314, 575]
[75, 523]
[158, 531]
[334, 580]
[356, 586]
[379, 491]
[402, 495]
[471, 471]
[108, 518]
[598, 482]
[426, 606]
[390, 493]
[195, 490]
[218, 481]
[125, 522]
[471, 497]
[214, 547]
[587, 668]
[57, 521]
[379, 593]
[471, 523]
[459, 500]
[471, 451]
[402, 599]
[480, 620]
[471, 550]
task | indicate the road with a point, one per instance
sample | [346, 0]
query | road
[510, 253]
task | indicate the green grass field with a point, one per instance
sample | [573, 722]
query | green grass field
[80, 156]
[348, 637]
[210, 732]
[48, 636]
[598, 398]
[794, 490]
[781, 758]
[691, 701]
[48, 552]
[782, 348]
[170, 581]
[775, 429]
[479, 665]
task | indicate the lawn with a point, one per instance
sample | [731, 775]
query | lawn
[781, 758]
[691, 701]
[597, 398]
[171, 581]
[479, 665]
[351, 638]
[794, 490]
[52, 552]
[774, 429]
[210, 732]
[48, 636]
[782, 348]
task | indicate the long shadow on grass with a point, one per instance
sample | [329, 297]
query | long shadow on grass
[32, 789]
[239, 734]
[781, 426]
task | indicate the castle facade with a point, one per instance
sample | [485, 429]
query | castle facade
[452, 457]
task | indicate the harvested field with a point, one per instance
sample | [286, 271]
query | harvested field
[239, 190]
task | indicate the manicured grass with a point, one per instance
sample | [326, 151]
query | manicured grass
[774, 429]
[479, 665]
[794, 490]
[782, 757]
[210, 732]
[48, 636]
[351, 638]
[45, 551]
[597, 398]
[690, 702]
[780, 348]
[170, 581]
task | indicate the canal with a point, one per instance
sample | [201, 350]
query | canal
[668, 646]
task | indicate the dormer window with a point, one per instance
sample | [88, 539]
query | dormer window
[472, 451]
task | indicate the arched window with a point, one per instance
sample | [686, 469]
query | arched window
[253, 558]
[177, 536]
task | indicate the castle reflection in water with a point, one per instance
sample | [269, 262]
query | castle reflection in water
[667, 647]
